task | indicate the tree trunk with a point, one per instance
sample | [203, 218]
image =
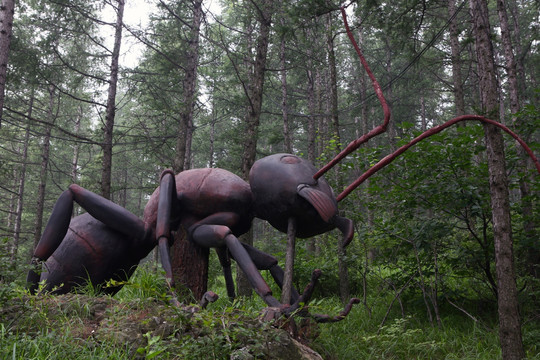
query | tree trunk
[344, 286]
[253, 115]
[311, 243]
[509, 320]
[76, 149]
[392, 132]
[213, 121]
[22, 179]
[106, 169]
[529, 227]
[189, 261]
[520, 71]
[509, 56]
[7, 10]
[189, 264]
[459, 99]
[185, 125]
[287, 142]
[256, 91]
[38, 225]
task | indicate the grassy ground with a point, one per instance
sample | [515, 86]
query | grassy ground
[47, 333]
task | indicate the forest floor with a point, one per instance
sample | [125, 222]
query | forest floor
[140, 323]
[85, 327]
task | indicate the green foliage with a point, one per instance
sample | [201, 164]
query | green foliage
[142, 325]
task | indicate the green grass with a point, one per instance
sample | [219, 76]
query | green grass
[360, 337]
[47, 328]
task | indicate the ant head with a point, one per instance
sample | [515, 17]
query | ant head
[283, 186]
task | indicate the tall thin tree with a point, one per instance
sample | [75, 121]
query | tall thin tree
[254, 97]
[7, 11]
[182, 159]
[509, 319]
[107, 145]
[189, 261]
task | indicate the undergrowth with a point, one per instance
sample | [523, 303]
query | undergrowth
[90, 327]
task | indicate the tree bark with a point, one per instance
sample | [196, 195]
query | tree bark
[189, 264]
[256, 89]
[254, 97]
[312, 74]
[344, 286]
[7, 10]
[76, 148]
[287, 142]
[106, 169]
[529, 227]
[509, 319]
[22, 179]
[38, 225]
[459, 99]
[185, 125]
[189, 261]
[520, 71]
[509, 56]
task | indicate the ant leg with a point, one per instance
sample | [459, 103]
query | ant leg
[51, 238]
[265, 261]
[104, 210]
[219, 236]
[346, 226]
[225, 262]
[109, 213]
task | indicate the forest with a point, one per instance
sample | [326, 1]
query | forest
[445, 257]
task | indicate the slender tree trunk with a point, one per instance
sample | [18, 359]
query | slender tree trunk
[332, 70]
[253, 115]
[311, 243]
[392, 133]
[520, 70]
[256, 93]
[509, 319]
[189, 140]
[320, 89]
[75, 159]
[189, 261]
[22, 179]
[509, 56]
[185, 125]
[76, 149]
[344, 286]
[459, 99]
[38, 225]
[287, 142]
[11, 208]
[423, 119]
[7, 10]
[211, 155]
[529, 226]
[106, 169]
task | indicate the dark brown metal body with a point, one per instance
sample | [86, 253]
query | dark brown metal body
[213, 206]
[283, 187]
[93, 251]
[201, 193]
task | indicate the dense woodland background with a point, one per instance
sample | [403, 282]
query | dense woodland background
[95, 98]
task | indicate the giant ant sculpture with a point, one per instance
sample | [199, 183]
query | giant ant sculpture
[215, 207]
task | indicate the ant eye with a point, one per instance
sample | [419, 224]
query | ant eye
[290, 159]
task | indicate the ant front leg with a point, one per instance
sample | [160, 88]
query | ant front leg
[225, 261]
[265, 261]
[220, 236]
[167, 197]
